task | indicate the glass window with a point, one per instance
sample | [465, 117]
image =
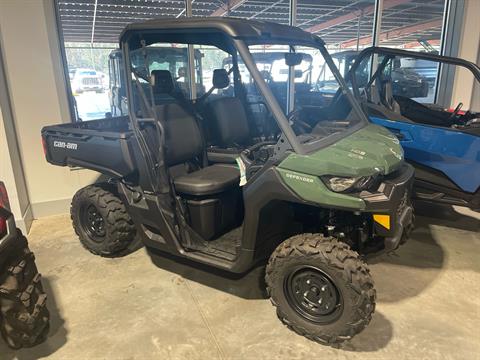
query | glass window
[342, 24]
[90, 33]
[89, 79]
[210, 58]
[413, 25]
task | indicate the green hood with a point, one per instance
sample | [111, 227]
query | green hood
[370, 150]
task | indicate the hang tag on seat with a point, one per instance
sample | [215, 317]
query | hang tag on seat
[243, 174]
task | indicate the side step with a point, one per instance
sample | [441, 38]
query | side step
[439, 197]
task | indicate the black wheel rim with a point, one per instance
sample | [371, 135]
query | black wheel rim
[93, 223]
[313, 294]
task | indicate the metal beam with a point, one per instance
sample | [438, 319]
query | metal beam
[354, 15]
[265, 9]
[93, 23]
[415, 44]
[229, 6]
[395, 33]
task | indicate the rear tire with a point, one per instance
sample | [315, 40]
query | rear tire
[24, 317]
[321, 288]
[101, 221]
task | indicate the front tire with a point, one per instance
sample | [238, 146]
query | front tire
[101, 221]
[321, 288]
[24, 317]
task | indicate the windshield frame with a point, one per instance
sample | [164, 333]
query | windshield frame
[280, 116]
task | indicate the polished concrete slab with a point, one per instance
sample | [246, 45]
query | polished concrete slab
[150, 307]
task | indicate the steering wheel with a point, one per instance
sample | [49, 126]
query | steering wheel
[456, 111]
[246, 155]
[297, 124]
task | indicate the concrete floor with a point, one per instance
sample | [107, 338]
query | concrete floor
[139, 307]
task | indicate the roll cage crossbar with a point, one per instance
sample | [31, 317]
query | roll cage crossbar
[390, 53]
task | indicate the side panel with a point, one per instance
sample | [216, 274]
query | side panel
[108, 156]
[454, 153]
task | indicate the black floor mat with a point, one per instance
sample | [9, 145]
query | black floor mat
[227, 242]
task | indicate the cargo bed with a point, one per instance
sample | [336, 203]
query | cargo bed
[102, 145]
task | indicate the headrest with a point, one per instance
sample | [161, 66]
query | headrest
[220, 79]
[162, 81]
[182, 72]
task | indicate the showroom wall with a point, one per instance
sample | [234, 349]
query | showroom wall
[34, 75]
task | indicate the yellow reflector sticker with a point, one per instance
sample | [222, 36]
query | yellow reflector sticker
[383, 220]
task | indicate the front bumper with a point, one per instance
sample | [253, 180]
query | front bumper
[91, 88]
[391, 203]
[404, 228]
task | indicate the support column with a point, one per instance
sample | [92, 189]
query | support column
[291, 70]
[11, 169]
[191, 56]
[377, 22]
[468, 49]
[376, 31]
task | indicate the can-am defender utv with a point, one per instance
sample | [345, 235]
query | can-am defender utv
[208, 180]
[24, 317]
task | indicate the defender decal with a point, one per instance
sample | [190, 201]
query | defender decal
[300, 178]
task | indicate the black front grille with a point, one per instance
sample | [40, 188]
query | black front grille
[404, 202]
[90, 81]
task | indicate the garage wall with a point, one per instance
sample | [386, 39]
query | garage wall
[38, 97]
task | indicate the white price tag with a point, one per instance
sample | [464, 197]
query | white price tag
[241, 167]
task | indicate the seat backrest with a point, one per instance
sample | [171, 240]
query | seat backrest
[183, 139]
[163, 86]
[388, 99]
[227, 119]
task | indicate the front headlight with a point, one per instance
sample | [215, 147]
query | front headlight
[343, 184]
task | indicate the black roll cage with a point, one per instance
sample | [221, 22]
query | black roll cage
[389, 52]
[230, 30]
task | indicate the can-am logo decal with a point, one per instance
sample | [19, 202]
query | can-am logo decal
[65, 145]
[300, 178]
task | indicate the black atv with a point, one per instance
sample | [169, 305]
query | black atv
[24, 317]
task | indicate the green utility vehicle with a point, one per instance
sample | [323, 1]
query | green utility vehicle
[205, 179]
